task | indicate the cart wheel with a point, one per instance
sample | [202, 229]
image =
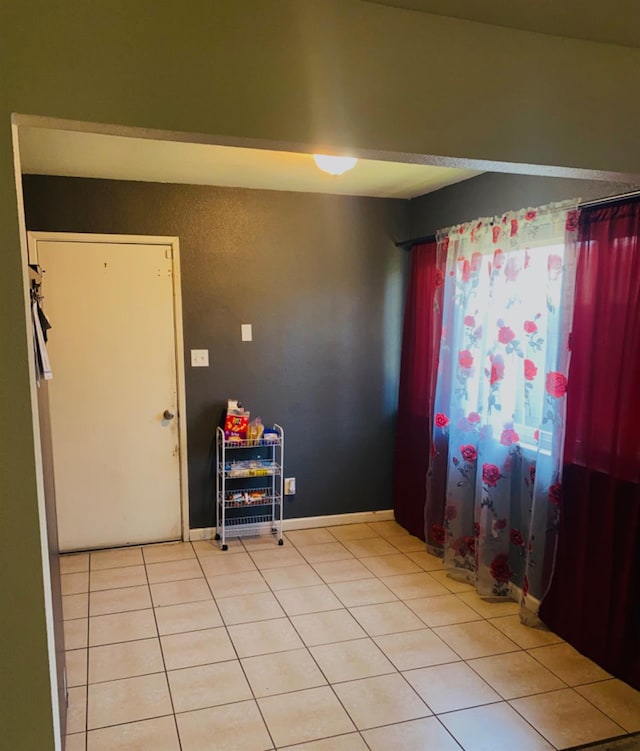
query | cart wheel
[225, 547]
[217, 537]
[281, 541]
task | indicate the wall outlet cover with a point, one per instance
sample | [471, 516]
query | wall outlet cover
[199, 358]
[290, 486]
[246, 332]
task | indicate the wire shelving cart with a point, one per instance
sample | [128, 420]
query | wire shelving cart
[249, 486]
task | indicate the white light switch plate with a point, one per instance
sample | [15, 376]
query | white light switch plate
[247, 333]
[199, 358]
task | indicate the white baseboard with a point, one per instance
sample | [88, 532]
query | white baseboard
[333, 520]
[532, 604]
[202, 533]
[307, 522]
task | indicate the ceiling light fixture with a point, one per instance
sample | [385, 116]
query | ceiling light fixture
[334, 165]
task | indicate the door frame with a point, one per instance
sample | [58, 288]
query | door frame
[33, 238]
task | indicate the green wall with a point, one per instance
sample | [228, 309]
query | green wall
[324, 72]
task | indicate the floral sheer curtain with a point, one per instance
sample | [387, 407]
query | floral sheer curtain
[500, 399]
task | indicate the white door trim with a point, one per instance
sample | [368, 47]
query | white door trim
[34, 238]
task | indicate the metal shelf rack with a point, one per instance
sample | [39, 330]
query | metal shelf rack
[249, 486]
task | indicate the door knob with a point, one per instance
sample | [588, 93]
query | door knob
[167, 415]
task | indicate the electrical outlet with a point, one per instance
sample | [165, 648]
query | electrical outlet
[289, 485]
[199, 358]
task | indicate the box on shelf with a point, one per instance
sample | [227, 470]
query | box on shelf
[236, 422]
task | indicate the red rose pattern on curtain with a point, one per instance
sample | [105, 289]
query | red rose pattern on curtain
[500, 399]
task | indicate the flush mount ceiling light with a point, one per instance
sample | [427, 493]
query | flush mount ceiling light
[334, 165]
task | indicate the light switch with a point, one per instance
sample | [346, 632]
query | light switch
[247, 333]
[199, 358]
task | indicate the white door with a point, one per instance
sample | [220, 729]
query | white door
[113, 396]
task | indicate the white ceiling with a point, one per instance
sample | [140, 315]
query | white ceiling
[47, 151]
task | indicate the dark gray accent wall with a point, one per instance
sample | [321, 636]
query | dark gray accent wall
[322, 283]
[494, 193]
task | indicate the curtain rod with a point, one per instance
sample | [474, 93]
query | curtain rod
[609, 199]
[408, 244]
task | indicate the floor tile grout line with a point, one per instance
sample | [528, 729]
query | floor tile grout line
[325, 738]
[128, 722]
[539, 732]
[118, 565]
[533, 649]
[395, 598]
[126, 641]
[233, 646]
[455, 652]
[477, 657]
[322, 672]
[466, 661]
[513, 698]
[449, 733]
[107, 589]
[600, 680]
[162, 655]
[86, 711]
[88, 684]
[310, 563]
[491, 703]
[285, 693]
[570, 688]
[127, 677]
[364, 740]
[573, 688]
[366, 637]
[331, 684]
[379, 578]
[343, 581]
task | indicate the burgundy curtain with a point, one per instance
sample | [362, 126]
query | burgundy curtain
[594, 600]
[420, 344]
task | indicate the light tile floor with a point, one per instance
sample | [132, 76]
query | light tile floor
[345, 639]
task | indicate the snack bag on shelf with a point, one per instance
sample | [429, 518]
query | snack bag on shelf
[254, 431]
[236, 422]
